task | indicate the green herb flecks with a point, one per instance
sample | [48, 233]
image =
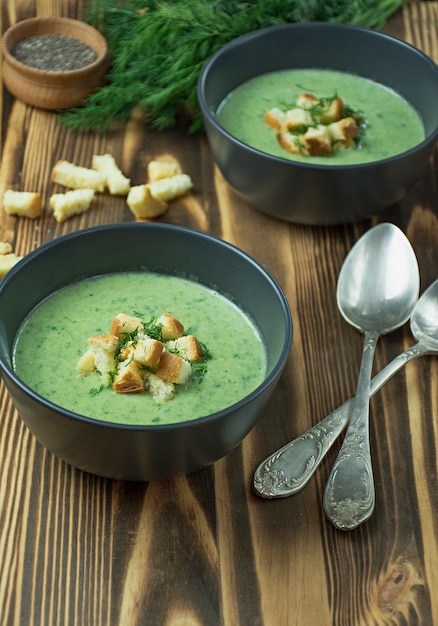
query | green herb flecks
[159, 48]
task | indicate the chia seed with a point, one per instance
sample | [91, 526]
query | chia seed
[54, 53]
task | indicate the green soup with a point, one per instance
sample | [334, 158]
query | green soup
[54, 335]
[393, 125]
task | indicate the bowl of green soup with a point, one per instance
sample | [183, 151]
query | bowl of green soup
[141, 351]
[319, 123]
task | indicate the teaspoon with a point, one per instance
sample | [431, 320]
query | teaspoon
[290, 468]
[376, 293]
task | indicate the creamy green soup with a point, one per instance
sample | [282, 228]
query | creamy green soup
[393, 125]
[54, 336]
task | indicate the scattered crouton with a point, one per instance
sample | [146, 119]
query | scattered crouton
[143, 204]
[169, 188]
[275, 118]
[188, 347]
[157, 170]
[78, 177]
[173, 368]
[161, 390]
[22, 203]
[148, 352]
[171, 328]
[129, 378]
[5, 247]
[124, 324]
[102, 349]
[297, 119]
[7, 262]
[317, 141]
[343, 130]
[73, 202]
[117, 183]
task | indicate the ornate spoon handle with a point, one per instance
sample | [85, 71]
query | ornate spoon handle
[349, 495]
[289, 469]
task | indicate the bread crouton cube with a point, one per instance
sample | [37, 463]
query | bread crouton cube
[124, 324]
[161, 390]
[7, 262]
[103, 347]
[317, 141]
[188, 347]
[86, 364]
[343, 130]
[306, 100]
[143, 204]
[333, 111]
[78, 177]
[291, 143]
[5, 247]
[22, 203]
[171, 328]
[117, 183]
[129, 378]
[71, 203]
[147, 352]
[169, 188]
[275, 118]
[297, 119]
[173, 368]
[157, 170]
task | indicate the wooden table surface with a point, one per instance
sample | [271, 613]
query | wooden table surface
[80, 550]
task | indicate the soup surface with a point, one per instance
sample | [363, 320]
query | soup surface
[392, 124]
[54, 335]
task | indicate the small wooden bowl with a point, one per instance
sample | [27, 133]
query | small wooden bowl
[49, 89]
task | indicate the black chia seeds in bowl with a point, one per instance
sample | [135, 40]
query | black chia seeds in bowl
[54, 53]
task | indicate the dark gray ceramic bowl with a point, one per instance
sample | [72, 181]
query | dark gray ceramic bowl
[319, 194]
[142, 452]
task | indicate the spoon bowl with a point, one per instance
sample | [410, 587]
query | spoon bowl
[377, 290]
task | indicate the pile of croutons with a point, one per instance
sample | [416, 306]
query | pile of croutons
[136, 357]
[146, 201]
[315, 126]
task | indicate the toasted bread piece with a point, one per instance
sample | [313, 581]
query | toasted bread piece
[343, 130]
[117, 183]
[147, 352]
[173, 368]
[102, 347]
[7, 262]
[161, 390]
[291, 143]
[317, 141]
[71, 203]
[188, 347]
[143, 204]
[78, 177]
[86, 364]
[171, 328]
[129, 378]
[157, 170]
[333, 112]
[297, 119]
[5, 247]
[169, 188]
[306, 100]
[124, 324]
[275, 118]
[22, 203]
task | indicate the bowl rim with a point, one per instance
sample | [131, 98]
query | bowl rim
[210, 115]
[7, 368]
[38, 74]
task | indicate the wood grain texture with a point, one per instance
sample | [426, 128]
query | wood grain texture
[203, 550]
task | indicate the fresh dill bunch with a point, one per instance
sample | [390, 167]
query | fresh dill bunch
[159, 48]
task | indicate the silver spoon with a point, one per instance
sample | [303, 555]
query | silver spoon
[290, 468]
[376, 293]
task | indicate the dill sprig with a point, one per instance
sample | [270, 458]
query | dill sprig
[158, 49]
